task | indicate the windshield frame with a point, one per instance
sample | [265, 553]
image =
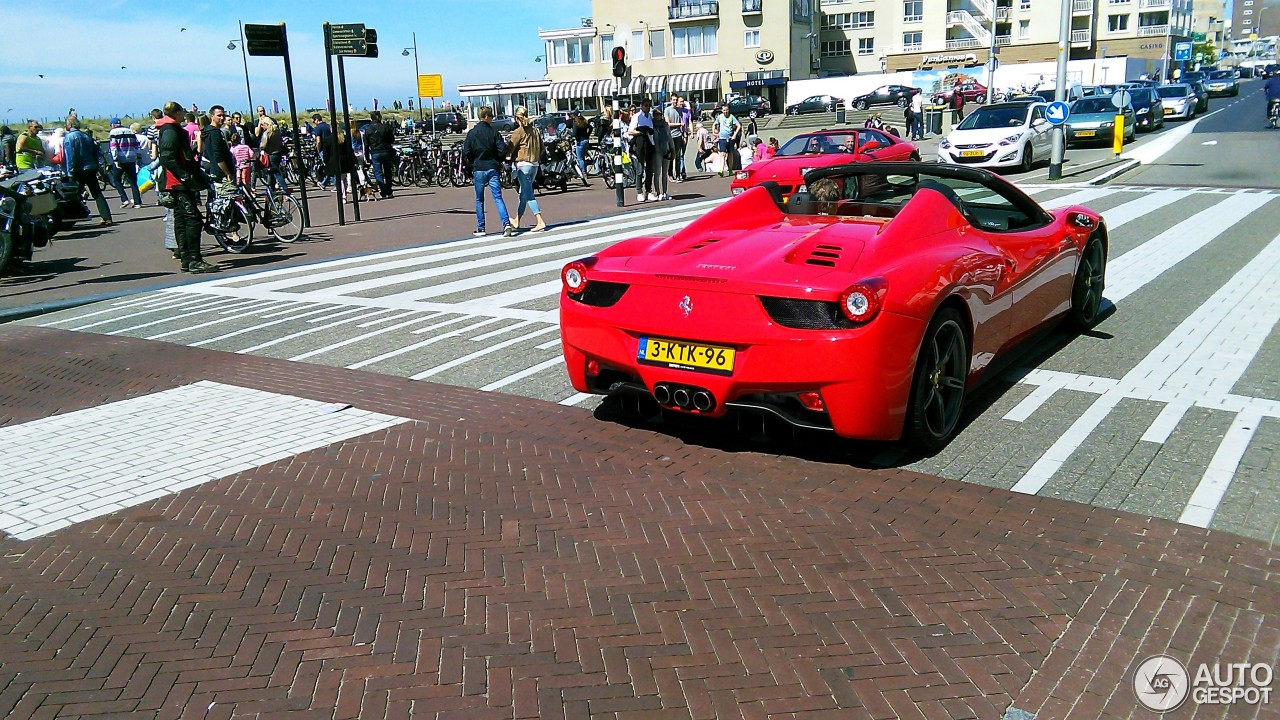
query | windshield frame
[832, 145]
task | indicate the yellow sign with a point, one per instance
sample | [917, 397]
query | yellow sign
[430, 86]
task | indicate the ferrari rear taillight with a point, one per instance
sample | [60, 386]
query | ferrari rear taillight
[860, 303]
[574, 277]
[812, 400]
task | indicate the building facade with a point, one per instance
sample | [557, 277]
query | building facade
[1255, 18]
[703, 49]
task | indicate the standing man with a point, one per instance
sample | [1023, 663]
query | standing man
[675, 121]
[644, 158]
[29, 151]
[124, 156]
[379, 141]
[183, 179]
[727, 130]
[81, 161]
[917, 117]
[321, 132]
[216, 152]
[957, 105]
[483, 151]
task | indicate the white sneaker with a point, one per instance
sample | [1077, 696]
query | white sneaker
[640, 197]
[653, 197]
[664, 196]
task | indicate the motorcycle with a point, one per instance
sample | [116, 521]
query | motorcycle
[71, 206]
[557, 165]
[26, 202]
[1273, 114]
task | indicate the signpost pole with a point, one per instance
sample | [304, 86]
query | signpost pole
[1060, 94]
[297, 137]
[618, 194]
[416, 75]
[333, 118]
[346, 119]
[244, 56]
[991, 57]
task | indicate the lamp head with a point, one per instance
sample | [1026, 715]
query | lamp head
[231, 45]
[405, 52]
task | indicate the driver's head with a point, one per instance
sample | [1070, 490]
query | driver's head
[825, 190]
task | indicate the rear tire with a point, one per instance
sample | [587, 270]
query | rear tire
[6, 250]
[1028, 158]
[938, 386]
[241, 238]
[1088, 285]
[285, 219]
[860, 105]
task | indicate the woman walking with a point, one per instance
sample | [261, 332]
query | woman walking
[272, 144]
[526, 149]
[581, 139]
[662, 146]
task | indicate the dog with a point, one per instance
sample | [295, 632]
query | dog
[370, 193]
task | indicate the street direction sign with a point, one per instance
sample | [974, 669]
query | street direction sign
[1057, 112]
[1121, 99]
[264, 40]
[347, 39]
[1182, 51]
[431, 86]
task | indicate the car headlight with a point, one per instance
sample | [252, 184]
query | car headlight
[1011, 139]
[741, 175]
[1106, 124]
[1143, 111]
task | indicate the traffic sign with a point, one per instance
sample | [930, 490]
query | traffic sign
[1182, 51]
[431, 86]
[347, 39]
[1057, 112]
[1122, 99]
[264, 40]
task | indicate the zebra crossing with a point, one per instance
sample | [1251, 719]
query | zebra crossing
[1171, 408]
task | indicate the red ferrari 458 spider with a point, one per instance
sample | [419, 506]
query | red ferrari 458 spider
[826, 148]
[868, 305]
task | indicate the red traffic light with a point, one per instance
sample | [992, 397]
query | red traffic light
[619, 54]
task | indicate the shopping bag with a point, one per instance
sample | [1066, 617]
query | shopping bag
[145, 181]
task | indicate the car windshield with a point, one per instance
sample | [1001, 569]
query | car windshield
[1046, 95]
[825, 144]
[1173, 91]
[1096, 104]
[988, 118]
[1221, 75]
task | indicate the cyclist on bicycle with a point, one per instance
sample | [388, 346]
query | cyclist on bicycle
[1272, 89]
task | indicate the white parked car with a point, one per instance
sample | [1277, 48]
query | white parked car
[1014, 134]
[1179, 101]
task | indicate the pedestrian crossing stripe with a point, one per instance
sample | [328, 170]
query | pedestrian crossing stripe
[502, 294]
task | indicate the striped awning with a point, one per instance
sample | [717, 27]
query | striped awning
[572, 89]
[689, 82]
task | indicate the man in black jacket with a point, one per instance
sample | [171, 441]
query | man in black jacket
[379, 146]
[483, 151]
[184, 180]
[217, 155]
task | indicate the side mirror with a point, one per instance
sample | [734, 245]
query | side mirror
[869, 146]
[1038, 123]
[1081, 220]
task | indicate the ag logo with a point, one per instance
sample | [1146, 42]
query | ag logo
[764, 57]
[1161, 683]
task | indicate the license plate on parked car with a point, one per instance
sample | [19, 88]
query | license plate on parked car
[972, 153]
[1086, 133]
[686, 356]
[1168, 111]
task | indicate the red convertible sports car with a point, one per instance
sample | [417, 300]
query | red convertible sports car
[825, 148]
[868, 305]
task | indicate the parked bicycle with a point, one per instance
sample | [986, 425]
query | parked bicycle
[232, 219]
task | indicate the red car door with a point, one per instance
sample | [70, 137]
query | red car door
[880, 146]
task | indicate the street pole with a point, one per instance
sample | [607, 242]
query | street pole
[1060, 93]
[346, 120]
[991, 56]
[618, 190]
[333, 118]
[415, 78]
[244, 56]
[1168, 40]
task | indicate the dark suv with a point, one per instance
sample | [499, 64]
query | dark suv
[749, 106]
[899, 95]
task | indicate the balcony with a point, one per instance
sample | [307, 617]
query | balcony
[1002, 14]
[1145, 5]
[964, 44]
[1081, 7]
[1153, 30]
[694, 11]
[752, 7]
[1004, 40]
[1081, 38]
[971, 24]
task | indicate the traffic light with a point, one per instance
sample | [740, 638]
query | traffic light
[370, 43]
[619, 61]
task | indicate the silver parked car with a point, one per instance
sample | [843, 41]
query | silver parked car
[1179, 101]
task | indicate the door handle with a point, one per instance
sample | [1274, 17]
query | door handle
[1010, 264]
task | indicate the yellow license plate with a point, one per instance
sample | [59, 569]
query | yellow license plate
[686, 356]
[972, 153]
[1086, 133]
[1168, 111]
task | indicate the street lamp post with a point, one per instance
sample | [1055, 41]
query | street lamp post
[405, 52]
[244, 56]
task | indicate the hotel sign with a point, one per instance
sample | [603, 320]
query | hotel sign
[956, 58]
[764, 57]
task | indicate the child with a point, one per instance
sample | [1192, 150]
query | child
[760, 151]
[772, 149]
[745, 152]
[243, 155]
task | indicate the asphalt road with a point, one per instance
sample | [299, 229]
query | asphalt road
[1228, 147]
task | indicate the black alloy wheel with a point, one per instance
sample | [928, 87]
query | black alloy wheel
[902, 102]
[860, 105]
[1088, 285]
[1028, 157]
[938, 388]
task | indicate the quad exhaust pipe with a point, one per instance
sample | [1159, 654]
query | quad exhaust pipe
[683, 397]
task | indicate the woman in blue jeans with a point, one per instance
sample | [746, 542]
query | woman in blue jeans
[582, 138]
[526, 148]
[271, 142]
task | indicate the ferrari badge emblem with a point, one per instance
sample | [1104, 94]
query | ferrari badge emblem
[686, 305]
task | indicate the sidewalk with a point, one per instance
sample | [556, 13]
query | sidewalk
[483, 555]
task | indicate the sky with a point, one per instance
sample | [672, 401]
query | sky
[109, 57]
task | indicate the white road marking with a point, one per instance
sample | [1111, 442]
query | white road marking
[209, 307]
[1080, 197]
[1165, 423]
[160, 307]
[318, 328]
[481, 353]
[483, 305]
[532, 370]
[1142, 206]
[149, 300]
[234, 333]
[1031, 403]
[1217, 477]
[429, 341]
[576, 398]
[366, 336]
[507, 329]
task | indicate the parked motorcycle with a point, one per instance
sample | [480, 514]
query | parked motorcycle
[26, 202]
[556, 167]
[71, 206]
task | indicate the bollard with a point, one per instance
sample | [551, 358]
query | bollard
[1117, 140]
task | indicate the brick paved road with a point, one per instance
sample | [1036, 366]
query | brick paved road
[494, 556]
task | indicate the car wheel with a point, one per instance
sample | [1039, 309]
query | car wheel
[860, 105]
[981, 99]
[1087, 287]
[937, 389]
[752, 114]
[793, 111]
[902, 102]
[1028, 157]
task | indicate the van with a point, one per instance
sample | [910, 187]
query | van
[1074, 92]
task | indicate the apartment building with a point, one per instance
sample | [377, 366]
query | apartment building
[1255, 18]
[1209, 21]
[699, 48]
